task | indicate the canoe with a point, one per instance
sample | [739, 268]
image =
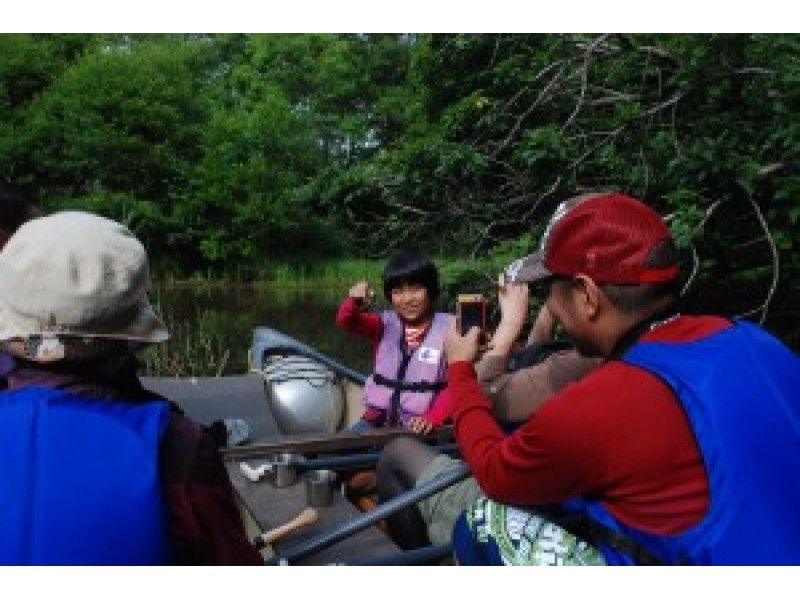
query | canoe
[295, 401]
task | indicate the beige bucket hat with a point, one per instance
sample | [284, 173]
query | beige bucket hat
[73, 274]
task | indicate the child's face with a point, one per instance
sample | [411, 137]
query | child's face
[411, 302]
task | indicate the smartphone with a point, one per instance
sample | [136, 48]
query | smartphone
[471, 311]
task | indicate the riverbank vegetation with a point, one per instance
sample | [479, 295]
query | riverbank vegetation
[266, 157]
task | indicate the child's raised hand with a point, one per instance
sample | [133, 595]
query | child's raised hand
[361, 291]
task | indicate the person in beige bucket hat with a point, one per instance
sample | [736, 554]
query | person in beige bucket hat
[74, 276]
[97, 469]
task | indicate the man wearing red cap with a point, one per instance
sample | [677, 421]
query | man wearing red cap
[680, 448]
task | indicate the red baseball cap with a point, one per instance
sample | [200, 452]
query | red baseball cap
[606, 237]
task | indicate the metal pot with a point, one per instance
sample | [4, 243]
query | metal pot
[304, 396]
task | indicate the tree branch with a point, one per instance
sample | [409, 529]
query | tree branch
[775, 265]
[521, 119]
[584, 79]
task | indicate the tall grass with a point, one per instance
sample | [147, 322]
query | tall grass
[340, 274]
[324, 274]
[191, 351]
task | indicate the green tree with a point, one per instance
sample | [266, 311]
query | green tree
[124, 120]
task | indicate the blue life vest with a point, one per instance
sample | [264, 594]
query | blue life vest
[80, 480]
[740, 389]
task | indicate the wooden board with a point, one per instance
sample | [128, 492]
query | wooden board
[264, 506]
[271, 507]
[338, 442]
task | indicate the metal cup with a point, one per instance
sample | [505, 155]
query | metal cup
[284, 472]
[319, 487]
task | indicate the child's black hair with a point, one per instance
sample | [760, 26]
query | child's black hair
[410, 266]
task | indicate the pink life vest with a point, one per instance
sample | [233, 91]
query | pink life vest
[413, 379]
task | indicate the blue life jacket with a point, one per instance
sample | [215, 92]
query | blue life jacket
[80, 480]
[740, 389]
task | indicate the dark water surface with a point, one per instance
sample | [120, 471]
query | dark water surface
[211, 326]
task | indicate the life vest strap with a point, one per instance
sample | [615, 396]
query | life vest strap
[421, 386]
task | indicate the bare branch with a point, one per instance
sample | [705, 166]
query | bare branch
[670, 102]
[656, 51]
[584, 79]
[695, 269]
[552, 189]
[523, 90]
[775, 264]
[481, 239]
[674, 131]
[746, 244]
[619, 95]
[496, 49]
[513, 99]
[613, 99]
[579, 103]
[711, 209]
[695, 257]
[608, 137]
[406, 208]
[598, 46]
[646, 171]
[770, 168]
[753, 70]
[521, 119]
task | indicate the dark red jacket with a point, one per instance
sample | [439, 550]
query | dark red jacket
[205, 527]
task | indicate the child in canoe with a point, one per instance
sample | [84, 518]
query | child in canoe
[407, 386]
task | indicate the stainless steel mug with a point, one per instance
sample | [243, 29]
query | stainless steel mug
[284, 472]
[319, 487]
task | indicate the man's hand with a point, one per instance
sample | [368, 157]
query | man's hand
[361, 291]
[461, 348]
[419, 425]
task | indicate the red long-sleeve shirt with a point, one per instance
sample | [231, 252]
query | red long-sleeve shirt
[355, 320]
[352, 318]
[619, 435]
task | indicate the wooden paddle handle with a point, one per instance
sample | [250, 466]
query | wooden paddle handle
[306, 517]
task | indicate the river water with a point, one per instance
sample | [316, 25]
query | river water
[211, 325]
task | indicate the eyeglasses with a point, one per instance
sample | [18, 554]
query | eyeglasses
[541, 289]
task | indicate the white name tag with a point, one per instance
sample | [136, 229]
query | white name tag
[428, 355]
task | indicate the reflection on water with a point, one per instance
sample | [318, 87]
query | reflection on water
[211, 327]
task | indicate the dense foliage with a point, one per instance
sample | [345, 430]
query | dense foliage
[228, 152]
